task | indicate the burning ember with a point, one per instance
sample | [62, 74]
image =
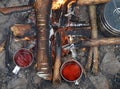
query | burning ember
[56, 4]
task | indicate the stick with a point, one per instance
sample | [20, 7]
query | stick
[9, 10]
[20, 29]
[89, 60]
[102, 41]
[57, 65]
[92, 9]
[93, 50]
[42, 11]
[95, 42]
[91, 2]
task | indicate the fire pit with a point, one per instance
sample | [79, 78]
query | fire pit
[55, 34]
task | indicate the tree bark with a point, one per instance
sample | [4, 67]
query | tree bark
[44, 64]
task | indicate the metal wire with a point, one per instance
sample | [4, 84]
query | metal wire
[116, 8]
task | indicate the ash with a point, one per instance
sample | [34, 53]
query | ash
[109, 57]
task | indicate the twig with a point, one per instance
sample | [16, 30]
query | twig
[89, 60]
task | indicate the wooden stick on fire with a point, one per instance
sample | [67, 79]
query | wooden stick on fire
[42, 11]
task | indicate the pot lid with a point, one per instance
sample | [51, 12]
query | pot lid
[112, 14]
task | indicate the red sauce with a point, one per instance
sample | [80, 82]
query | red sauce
[71, 71]
[23, 58]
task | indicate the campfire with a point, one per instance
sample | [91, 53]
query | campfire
[53, 35]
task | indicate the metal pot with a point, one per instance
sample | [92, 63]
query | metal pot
[110, 18]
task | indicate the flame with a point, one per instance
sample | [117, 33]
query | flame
[56, 4]
[70, 3]
[84, 49]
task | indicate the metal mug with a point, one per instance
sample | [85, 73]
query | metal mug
[23, 58]
[71, 71]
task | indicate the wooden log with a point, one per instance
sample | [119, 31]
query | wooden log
[95, 42]
[93, 17]
[90, 2]
[57, 64]
[100, 42]
[20, 29]
[42, 11]
[89, 59]
[9, 10]
[93, 50]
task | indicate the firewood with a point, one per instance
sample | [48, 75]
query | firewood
[57, 64]
[93, 50]
[89, 60]
[9, 10]
[101, 41]
[2, 45]
[91, 2]
[94, 42]
[93, 17]
[42, 11]
[20, 29]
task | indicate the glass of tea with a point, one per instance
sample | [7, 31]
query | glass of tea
[23, 58]
[71, 71]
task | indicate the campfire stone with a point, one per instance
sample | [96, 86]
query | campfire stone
[100, 81]
[12, 3]
[64, 86]
[2, 60]
[3, 18]
[17, 83]
[1, 4]
[110, 64]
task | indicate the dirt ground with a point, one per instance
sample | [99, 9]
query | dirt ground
[109, 59]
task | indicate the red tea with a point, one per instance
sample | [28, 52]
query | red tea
[71, 71]
[23, 58]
